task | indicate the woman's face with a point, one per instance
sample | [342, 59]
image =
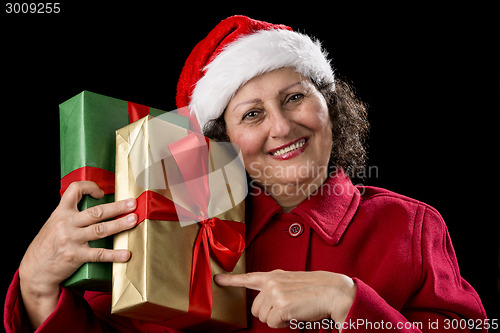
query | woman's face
[281, 123]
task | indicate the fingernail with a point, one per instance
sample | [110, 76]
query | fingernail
[218, 278]
[131, 203]
[131, 218]
[124, 256]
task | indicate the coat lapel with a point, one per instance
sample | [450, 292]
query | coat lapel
[328, 211]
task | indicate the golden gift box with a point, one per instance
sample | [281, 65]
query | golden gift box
[191, 212]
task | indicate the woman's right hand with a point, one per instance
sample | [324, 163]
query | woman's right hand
[61, 246]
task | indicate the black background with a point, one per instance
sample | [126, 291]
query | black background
[430, 76]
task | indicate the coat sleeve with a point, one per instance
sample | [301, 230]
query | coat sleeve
[73, 313]
[442, 302]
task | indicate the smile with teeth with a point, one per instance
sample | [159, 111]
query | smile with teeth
[289, 148]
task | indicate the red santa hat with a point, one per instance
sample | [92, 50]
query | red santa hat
[237, 50]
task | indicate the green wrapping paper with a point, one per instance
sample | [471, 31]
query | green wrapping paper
[88, 123]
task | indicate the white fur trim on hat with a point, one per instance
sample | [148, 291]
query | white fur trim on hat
[250, 56]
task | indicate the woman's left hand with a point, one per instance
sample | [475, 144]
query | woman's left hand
[304, 296]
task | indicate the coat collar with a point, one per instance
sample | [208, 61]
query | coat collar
[328, 211]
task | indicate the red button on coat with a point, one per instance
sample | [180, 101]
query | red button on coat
[295, 229]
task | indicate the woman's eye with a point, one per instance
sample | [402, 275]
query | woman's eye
[295, 97]
[250, 115]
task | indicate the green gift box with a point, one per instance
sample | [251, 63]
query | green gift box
[88, 123]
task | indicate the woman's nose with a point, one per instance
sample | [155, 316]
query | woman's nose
[280, 123]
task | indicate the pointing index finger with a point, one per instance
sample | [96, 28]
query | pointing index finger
[254, 280]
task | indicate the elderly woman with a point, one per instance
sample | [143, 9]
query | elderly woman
[319, 249]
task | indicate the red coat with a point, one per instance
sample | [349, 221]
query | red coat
[396, 249]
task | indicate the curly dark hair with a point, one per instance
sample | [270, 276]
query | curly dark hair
[349, 128]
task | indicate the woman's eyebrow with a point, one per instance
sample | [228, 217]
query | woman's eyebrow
[290, 86]
[255, 100]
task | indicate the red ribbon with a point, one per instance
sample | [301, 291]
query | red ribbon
[136, 111]
[103, 178]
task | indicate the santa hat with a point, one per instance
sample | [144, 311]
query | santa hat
[237, 50]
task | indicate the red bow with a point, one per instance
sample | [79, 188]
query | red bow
[226, 237]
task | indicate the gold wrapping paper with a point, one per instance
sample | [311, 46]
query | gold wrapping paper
[154, 284]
